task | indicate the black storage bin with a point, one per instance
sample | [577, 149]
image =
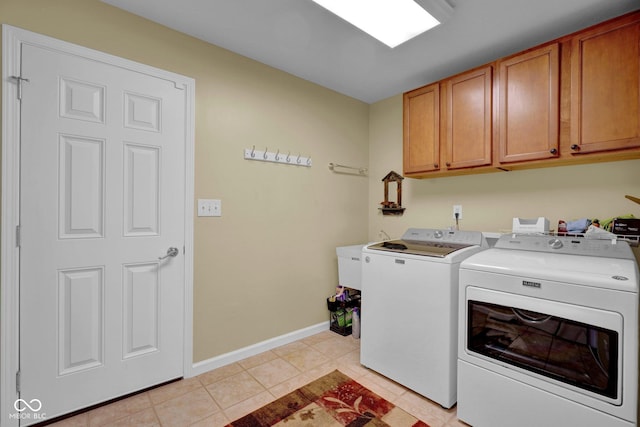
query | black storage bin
[340, 314]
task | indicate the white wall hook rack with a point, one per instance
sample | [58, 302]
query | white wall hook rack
[277, 157]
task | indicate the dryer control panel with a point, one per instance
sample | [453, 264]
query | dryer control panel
[609, 248]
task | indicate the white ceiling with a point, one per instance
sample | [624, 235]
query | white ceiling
[303, 39]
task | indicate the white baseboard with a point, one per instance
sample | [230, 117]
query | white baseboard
[242, 353]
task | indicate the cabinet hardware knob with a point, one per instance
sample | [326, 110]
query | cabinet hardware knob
[435, 165]
[448, 164]
[553, 151]
[575, 147]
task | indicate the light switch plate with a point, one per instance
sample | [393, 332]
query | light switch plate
[209, 207]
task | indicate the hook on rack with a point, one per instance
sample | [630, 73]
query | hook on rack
[266, 156]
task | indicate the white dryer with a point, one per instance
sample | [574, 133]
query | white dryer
[548, 334]
[409, 309]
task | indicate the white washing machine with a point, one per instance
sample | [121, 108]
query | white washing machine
[549, 334]
[409, 309]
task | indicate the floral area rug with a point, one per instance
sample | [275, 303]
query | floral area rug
[333, 400]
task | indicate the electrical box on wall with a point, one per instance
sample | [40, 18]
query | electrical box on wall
[457, 211]
[209, 207]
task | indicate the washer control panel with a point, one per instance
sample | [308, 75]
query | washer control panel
[449, 236]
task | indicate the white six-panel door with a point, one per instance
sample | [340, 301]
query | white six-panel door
[102, 198]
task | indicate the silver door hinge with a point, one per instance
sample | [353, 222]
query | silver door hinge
[19, 80]
[18, 237]
[18, 382]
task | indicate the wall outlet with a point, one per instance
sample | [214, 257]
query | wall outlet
[457, 209]
[209, 207]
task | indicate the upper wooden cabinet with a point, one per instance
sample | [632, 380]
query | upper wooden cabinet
[422, 129]
[468, 125]
[528, 105]
[605, 88]
[572, 100]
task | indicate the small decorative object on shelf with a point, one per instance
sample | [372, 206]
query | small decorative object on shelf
[390, 207]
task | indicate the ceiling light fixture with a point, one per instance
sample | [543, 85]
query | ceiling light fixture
[393, 22]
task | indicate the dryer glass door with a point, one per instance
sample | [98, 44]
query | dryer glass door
[573, 352]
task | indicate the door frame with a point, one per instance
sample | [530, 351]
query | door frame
[12, 39]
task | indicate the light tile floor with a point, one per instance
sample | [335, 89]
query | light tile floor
[220, 396]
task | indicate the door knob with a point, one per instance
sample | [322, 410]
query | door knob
[171, 252]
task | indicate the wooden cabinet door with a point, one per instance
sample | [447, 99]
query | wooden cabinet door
[421, 133]
[528, 105]
[469, 119]
[605, 88]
